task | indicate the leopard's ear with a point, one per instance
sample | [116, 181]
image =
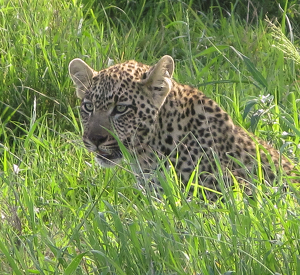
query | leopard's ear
[81, 74]
[157, 83]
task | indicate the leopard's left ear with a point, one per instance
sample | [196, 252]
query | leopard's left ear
[157, 83]
[81, 74]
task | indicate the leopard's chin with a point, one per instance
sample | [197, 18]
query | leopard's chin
[108, 160]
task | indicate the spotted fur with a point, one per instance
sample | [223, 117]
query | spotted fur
[154, 116]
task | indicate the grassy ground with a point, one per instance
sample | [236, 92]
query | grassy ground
[61, 214]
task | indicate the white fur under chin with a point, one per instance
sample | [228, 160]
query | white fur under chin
[107, 163]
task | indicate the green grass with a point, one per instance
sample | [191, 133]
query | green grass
[61, 214]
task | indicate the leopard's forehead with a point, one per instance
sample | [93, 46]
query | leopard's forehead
[116, 83]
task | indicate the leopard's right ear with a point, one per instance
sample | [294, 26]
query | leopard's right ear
[81, 74]
[157, 82]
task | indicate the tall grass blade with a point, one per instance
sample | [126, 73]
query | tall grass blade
[257, 76]
[10, 259]
[71, 268]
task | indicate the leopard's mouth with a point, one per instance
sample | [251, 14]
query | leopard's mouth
[108, 157]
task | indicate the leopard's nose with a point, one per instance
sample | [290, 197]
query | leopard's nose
[97, 140]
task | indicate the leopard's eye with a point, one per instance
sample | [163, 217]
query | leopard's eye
[119, 109]
[88, 107]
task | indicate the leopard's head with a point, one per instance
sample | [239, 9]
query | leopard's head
[121, 101]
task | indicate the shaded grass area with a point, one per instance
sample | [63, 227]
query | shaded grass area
[61, 214]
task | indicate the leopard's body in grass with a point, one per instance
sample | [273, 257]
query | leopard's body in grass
[156, 117]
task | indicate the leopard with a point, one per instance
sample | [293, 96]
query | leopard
[162, 122]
